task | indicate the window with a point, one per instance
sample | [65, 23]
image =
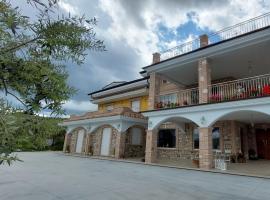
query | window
[109, 107]
[164, 81]
[136, 136]
[166, 138]
[135, 106]
[172, 98]
[196, 142]
[216, 138]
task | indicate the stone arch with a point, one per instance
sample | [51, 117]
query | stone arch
[175, 119]
[73, 138]
[135, 150]
[96, 135]
[183, 149]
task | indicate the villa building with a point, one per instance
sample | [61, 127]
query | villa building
[200, 101]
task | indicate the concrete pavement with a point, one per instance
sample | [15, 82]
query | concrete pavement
[52, 176]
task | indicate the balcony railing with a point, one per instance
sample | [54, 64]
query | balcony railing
[183, 98]
[258, 86]
[225, 34]
[252, 87]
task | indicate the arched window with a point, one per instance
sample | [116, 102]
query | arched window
[216, 138]
[136, 136]
[196, 141]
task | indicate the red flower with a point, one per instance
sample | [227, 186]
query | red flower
[266, 90]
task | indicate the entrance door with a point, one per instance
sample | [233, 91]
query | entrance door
[79, 141]
[263, 143]
[105, 143]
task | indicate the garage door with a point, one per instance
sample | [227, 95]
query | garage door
[79, 141]
[106, 140]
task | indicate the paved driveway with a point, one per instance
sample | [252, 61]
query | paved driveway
[48, 175]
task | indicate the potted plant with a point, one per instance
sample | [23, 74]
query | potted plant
[254, 92]
[266, 90]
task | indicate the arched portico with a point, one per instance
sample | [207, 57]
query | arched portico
[205, 116]
[119, 121]
[135, 142]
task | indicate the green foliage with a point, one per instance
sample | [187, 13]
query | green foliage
[32, 53]
[35, 131]
[26, 132]
[8, 133]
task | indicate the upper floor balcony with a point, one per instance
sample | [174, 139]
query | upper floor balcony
[232, 64]
[246, 88]
[225, 34]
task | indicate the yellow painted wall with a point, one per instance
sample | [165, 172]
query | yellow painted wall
[126, 103]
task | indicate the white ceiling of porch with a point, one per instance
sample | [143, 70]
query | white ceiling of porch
[241, 63]
[248, 117]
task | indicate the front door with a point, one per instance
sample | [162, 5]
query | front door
[263, 143]
[105, 143]
[79, 141]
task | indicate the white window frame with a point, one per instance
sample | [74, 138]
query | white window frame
[172, 98]
[137, 107]
[109, 107]
[136, 136]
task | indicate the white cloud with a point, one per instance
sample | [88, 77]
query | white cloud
[136, 22]
[69, 8]
[79, 106]
[131, 33]
[234, 12]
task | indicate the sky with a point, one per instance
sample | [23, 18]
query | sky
[133, 30]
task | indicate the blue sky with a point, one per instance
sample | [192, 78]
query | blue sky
[133, 30]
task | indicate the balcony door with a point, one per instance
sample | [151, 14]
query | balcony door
[263, 143]
[79, 143]
[105, 143]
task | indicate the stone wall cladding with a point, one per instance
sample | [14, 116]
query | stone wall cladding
[184, 143]
[73, 140]
[135, 150]
[154, 85]
[229, 140]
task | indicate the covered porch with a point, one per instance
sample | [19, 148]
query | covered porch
[118, 133]
[230, 70]
[236, 133]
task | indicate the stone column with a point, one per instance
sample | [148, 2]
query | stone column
[154, 83]
[65, 143]
[233, 138]
[86, 144]
[120, 145]
[151, 146]
[204, 73]
[206, 152]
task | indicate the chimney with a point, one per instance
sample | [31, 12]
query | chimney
[203, 40]
[156, 58]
